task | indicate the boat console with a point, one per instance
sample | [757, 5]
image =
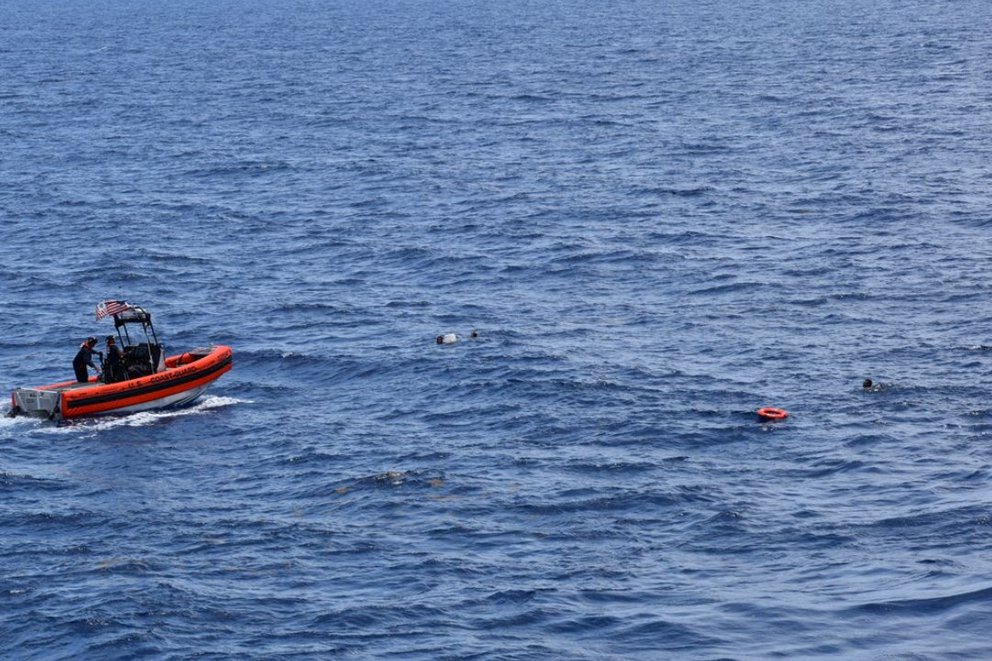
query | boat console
[143, 359]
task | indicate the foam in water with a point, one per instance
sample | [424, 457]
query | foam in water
[140, 419]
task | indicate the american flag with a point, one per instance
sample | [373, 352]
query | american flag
[108, 308]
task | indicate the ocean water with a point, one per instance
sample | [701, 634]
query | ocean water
[658, 216]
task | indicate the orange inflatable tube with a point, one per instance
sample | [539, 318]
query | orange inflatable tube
[770, 413]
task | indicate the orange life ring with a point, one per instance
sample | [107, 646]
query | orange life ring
[769, 413]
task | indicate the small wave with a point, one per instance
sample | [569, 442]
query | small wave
[243, 167]
[931, 605]
[390, 479]
[532, 98]
[15, 481]
[736, 287]
[675, 191]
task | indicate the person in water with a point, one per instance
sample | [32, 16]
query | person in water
[84, 358]
[114, 365]
[873, 386]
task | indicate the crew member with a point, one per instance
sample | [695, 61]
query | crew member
[84, 358]
[114, 364]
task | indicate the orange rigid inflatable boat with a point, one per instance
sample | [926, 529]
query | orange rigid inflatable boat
[147, 380]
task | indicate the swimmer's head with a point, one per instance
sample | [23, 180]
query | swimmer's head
[867, 384]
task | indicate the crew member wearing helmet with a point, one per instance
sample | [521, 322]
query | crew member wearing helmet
[113, 367]
[83, 358]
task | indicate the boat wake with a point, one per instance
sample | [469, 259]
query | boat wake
[142, 419]
[146, 418]
[7, 422]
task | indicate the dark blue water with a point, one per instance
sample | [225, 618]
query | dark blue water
[658, 216]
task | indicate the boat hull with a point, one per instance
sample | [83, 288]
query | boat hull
[185, 378]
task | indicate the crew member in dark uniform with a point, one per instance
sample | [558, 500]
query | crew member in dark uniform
[83, 358]
[114, 365]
